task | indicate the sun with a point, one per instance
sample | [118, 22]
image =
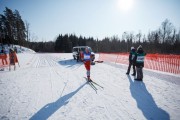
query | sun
[125, 5]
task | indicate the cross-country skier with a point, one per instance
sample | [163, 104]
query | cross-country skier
[86, 58]
[131, 63]
[139, 62]
[12, 58]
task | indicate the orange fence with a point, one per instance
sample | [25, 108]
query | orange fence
[165, 63]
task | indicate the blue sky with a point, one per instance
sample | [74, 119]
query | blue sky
[94, 18]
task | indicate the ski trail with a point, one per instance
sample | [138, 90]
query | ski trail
[52, 86]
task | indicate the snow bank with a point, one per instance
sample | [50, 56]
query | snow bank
[20, 49]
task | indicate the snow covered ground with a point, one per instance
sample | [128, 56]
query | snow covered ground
[52, 86]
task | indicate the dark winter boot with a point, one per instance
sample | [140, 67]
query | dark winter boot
[133, 74]
[89, 79]
[138, 79]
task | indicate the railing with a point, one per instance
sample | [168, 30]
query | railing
[166, 63]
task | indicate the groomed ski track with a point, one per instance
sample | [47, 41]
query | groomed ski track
[52, 86]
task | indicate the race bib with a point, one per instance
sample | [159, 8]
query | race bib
[140, 59]
[86, 57]
[132, 57]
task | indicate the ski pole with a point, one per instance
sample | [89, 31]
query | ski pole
[18, 63]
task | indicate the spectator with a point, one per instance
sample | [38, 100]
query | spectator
[131, 63]
[139, 62]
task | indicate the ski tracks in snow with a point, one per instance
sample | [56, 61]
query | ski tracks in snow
[113, 99]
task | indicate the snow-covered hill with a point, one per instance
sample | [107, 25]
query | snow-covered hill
[52, 86]
[20, 49]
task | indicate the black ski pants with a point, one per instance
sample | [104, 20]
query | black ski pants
[129, 68]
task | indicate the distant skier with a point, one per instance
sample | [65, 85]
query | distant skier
[131, 63]
[139, 62]
[86, 58]
[4, 56]
[12, 58]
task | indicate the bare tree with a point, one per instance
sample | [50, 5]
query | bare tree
[139, 35]
[144, 38]
[166, 30]
[125, 37]
[33, 37]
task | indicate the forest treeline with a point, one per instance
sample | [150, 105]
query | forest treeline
[13, 30]
[166, 39]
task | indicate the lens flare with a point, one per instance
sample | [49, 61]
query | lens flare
[125, 5]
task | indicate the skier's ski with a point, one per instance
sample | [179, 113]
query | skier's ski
[90, 83]
[94, 83]
[97, 84]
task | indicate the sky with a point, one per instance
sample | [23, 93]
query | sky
[93, 18]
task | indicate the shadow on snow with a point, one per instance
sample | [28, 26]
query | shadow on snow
[145, 102]
[70, 63]
[45, 112]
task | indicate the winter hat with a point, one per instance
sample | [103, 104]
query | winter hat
[87, 48]
[132, 48]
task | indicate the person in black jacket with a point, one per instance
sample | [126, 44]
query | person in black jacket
[139, 62]
[131, 63]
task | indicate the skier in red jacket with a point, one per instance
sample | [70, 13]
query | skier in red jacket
[86, 58]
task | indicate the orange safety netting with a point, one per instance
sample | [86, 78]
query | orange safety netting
[165, 63]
